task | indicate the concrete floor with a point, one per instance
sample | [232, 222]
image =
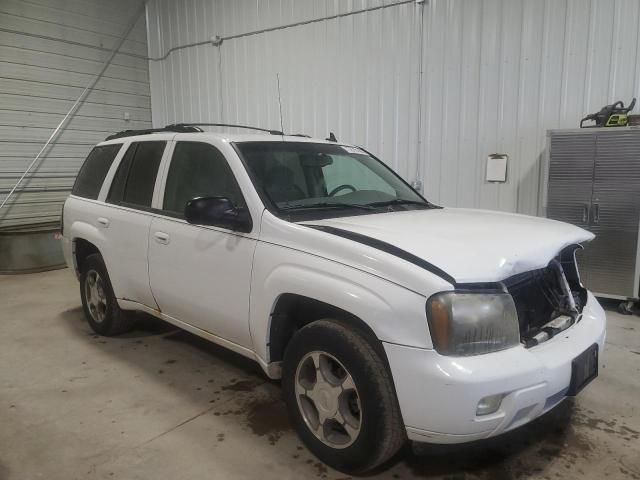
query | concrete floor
[159, 403]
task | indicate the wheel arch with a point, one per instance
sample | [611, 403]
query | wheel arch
[292, 311]
[82, 248]
[85, 240]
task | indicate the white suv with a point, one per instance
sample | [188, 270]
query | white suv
[385, 316]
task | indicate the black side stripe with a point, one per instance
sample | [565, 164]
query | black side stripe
[386, 247]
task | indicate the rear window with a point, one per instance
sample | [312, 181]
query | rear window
[135, 179]
[94, 170]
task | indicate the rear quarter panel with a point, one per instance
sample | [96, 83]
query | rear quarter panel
[79, 222]
[123, 245]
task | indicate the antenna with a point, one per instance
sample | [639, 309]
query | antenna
[280, 103]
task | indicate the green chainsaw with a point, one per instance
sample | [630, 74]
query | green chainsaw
[615, 115]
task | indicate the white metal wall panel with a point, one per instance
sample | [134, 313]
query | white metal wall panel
[49, 51]
[490, 76]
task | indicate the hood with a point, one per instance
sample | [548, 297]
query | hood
[469, 245]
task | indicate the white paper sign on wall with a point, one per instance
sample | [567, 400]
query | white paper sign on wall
[497, 168]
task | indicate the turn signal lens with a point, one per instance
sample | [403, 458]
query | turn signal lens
[439, 317]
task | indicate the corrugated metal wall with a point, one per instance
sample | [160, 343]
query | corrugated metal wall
[489, 76]
[49, 51]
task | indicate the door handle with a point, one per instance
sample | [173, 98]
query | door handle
[104, 222]
[161, 237]
[596, 213]
[585, 212]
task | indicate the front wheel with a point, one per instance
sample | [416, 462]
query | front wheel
[340, 397]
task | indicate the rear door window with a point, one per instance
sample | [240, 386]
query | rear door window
[94, 170]
[135, 179]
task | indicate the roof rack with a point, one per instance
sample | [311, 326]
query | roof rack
[168, 128]
[188, 128]
[183, 125]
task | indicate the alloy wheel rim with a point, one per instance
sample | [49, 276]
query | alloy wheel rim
[328, 399]
[95, 296]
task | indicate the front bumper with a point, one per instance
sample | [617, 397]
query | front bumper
[438, 395]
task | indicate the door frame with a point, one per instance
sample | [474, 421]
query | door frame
[253, 203]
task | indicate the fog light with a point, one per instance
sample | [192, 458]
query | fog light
[489, 404]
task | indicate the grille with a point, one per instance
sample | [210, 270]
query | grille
[548, 300]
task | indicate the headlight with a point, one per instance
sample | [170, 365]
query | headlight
[464, 324]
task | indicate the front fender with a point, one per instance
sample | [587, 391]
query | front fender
[395, 314]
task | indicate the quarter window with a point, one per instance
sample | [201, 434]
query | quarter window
[94, 170]
[136, 176]
[198, 170]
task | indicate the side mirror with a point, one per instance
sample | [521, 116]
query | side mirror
[217, 212]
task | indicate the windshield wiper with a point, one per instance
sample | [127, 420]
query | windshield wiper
[399, 201]
[321, 205]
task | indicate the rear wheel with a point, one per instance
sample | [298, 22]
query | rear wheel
[340, 397]
[98, 300]
[626, 307]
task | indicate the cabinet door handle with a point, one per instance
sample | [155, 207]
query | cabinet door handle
[585, 213]
[596, 213]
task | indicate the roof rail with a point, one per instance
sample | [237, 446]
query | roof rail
[182, 125]
[168, 128]
[192, 128]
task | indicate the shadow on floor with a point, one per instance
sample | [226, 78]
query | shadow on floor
[4, 472]
[148, 327]
[520, 453]
[193, 367]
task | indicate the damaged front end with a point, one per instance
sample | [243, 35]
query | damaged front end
[525, 309]
[548, 300]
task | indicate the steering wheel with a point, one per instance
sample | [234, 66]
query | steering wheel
[342, 187]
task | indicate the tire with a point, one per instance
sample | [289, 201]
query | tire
[367, 429]
[626, 308]
[98, 300]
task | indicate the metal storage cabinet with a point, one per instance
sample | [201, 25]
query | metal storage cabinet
[594, 182]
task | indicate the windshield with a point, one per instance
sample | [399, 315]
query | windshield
[300, 177]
